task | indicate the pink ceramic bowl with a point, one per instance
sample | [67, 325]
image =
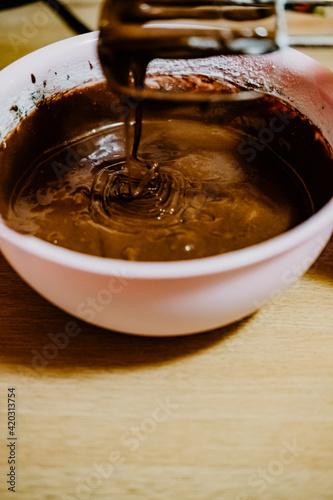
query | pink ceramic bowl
[172, 298]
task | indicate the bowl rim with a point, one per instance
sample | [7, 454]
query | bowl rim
[231, 261]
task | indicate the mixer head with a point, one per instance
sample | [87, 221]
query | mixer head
[135, 32]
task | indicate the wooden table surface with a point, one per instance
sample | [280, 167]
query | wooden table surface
[241, 413]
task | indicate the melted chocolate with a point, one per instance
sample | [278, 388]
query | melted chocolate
[230, 176]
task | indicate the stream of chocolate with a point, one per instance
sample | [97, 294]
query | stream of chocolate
[133, 33]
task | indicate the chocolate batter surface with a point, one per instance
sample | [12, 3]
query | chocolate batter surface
[222, 183]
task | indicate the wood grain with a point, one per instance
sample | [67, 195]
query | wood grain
[240, 413]
[239, 398]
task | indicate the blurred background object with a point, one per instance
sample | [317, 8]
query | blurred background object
[26, 25]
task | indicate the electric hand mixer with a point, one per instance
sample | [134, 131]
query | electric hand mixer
[134, 32]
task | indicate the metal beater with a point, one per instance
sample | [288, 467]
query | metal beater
[134, 32]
